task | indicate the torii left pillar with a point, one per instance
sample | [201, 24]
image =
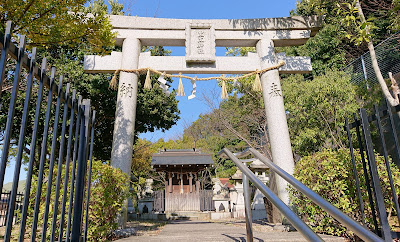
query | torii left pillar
[124, 127]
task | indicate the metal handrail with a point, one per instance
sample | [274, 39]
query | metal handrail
[350, 223]
[285, 210]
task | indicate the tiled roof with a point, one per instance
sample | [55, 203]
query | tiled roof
[226, 181]
[181, 157]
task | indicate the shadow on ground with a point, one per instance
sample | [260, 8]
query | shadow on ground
[241, 238]
[146, 226]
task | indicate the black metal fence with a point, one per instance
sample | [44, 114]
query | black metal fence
[4, 198]
[58, 133]
[376, 133]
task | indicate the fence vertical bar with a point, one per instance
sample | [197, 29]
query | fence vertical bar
[43, 156]
[386, 156]
[77, 205]
[4, 54]
[375, 177]
[11, 111]
[32, 152]
[75, 155]
[355, 172]
[247, 207]
[364, 70]
[60, 163]
[379, 232]
[18, 160]
[394, 133]
[67, 164]
[52, 158]
[367, 182]
[80, 175]
[89, 175]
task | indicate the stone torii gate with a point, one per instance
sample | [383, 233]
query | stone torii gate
[200, 37]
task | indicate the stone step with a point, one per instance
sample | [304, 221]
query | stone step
[188, 215]
[192, 218]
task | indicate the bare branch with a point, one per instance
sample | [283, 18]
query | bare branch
[158, 6]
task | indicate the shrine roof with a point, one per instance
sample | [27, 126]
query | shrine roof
[181, 157]
[225, 181]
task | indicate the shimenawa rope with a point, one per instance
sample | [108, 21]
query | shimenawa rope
[113, 83]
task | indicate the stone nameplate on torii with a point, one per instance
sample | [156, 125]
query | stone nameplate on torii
[200, 43]
[200, 37]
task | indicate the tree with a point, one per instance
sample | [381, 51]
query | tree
[50, 22]
[364, 28]
[358, 28]
[317, 109]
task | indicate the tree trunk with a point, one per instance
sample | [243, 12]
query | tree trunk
[393, 101]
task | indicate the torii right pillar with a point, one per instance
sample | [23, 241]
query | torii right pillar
[276, 116]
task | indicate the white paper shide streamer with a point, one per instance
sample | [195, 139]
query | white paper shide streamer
[193, 94]
[164, 86]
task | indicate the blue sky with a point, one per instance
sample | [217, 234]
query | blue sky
[203, 9]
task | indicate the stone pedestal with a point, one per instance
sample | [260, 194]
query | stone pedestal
[238, 206]
[145, 205]
[221, 204]
[258, 207]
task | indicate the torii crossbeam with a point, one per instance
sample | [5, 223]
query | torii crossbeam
[200, 37]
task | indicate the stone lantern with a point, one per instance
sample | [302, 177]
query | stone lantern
[237, 197]
[258, 207]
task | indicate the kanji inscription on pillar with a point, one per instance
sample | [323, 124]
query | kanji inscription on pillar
[275, 91]
[126, 90]
[200, 43]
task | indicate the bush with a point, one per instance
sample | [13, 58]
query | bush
[316, 108]
[330, 174]
[109, 190]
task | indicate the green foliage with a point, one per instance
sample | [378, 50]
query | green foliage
[362, 27]
[329, 173]
[317, 110]
[395, 16]
[155, 110]
[327, 50]
[343, 36]
[109, 190]
[49, 22]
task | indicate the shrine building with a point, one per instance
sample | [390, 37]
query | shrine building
[184, 190]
